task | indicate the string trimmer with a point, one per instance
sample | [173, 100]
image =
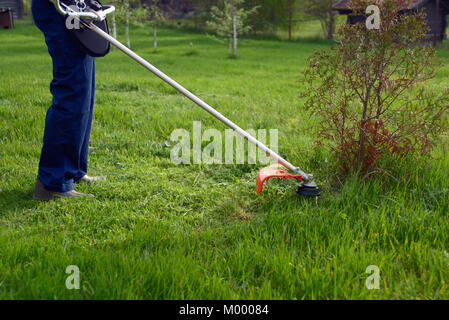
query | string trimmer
[93, 35]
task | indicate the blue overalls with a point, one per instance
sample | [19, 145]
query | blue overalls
[67, 125]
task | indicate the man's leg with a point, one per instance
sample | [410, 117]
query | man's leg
[68, 120]
[82, 170]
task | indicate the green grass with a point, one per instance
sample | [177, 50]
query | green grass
[160, 231]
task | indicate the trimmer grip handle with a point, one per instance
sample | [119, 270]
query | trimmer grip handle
[94, 15]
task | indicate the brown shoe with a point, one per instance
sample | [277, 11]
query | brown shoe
[42, 194]
[88, 179]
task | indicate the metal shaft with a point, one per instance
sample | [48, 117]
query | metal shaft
[197, 100]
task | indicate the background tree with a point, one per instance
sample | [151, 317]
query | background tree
[331, 24]
[290, 18]
[123, 16]
[370, 91]
[113, 23]
[230, 22]
[255, 18]
[126, 8]
[200, 8]
[321, 9]
[156, 16]
[274, 14]
[127, 12]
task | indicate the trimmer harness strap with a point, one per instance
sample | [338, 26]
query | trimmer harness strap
[92, 43]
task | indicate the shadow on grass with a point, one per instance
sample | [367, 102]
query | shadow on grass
[12, 200]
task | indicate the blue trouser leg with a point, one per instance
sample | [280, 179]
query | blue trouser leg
[68, 122]
[82, 170]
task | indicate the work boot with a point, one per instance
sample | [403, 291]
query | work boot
[42, 194]
[88, 179]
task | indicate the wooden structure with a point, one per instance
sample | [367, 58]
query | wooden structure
[436, 12]
[6, 19]
[15, 5]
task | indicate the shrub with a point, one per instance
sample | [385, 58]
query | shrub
[369, 91]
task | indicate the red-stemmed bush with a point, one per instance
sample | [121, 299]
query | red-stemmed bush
[371, 90]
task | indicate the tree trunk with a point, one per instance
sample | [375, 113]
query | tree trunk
[330, 32]
[362, 133]
[154, 36]
[255, 19]
[114, 28]
[436, 32]
[128, 43]
[290, 11]
[234, 26]
[195, 16]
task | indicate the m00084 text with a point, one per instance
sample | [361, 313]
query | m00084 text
[237, 309]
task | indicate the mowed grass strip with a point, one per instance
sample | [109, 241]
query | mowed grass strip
[160, 231]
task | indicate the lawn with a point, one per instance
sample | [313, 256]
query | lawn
[156, 230]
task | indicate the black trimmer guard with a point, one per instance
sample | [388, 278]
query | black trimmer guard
[308, 191]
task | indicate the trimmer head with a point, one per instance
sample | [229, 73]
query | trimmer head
[306, 188]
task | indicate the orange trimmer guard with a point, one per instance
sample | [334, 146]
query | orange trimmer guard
[273, 171]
